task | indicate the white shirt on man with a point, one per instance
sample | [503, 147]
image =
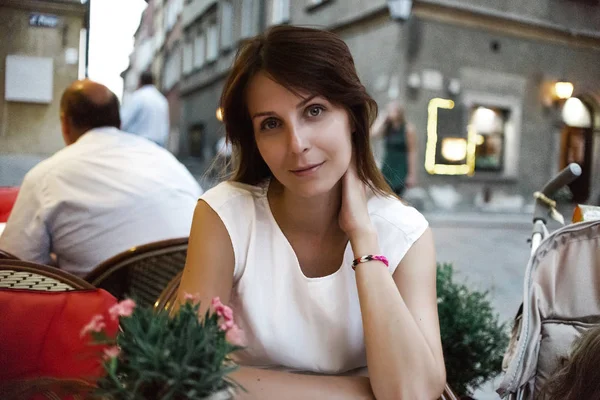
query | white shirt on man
[102, 195]
[146, 114]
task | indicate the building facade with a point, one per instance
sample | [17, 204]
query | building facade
[483, 82]
[43, 49]
[158, 49]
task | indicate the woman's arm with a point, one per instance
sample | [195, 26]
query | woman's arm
[210, 259]
[402, 335]
[399, 313]
[209, 272]
[264, 384]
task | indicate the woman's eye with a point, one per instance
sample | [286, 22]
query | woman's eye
[269, 124]
[315, 111]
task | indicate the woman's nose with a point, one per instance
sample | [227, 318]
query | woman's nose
[298, 139]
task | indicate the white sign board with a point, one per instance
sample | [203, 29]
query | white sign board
[29, 79]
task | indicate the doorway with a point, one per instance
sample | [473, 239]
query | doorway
[577, 146]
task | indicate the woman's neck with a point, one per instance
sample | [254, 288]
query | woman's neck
[316, 216]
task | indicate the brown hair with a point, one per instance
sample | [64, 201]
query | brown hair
[579, 376]
[302, 60]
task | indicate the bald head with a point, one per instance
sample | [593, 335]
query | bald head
[87, 105]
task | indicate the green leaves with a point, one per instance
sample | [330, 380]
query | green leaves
[168, 358]
[473, 339]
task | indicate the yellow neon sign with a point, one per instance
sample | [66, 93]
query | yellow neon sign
[432, 138]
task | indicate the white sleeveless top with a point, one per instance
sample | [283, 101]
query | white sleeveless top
[293, 322]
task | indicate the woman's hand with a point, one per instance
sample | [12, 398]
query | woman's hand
[354, 216]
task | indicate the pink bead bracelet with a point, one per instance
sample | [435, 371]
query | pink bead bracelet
[368, 258]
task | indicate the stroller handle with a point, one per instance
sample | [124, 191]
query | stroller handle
[564, 177]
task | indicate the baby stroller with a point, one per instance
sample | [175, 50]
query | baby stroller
[561, 296]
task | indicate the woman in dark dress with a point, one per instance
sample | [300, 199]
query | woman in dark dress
[400, 161]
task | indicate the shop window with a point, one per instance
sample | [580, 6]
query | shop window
[489, 127]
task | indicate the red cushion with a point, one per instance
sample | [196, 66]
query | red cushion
[40, 334]
[8, 196]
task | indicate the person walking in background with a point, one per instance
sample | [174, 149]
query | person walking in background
[400, 160]
[146, 113]
[106, 192]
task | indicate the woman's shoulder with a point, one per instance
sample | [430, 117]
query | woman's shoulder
[398, 226]
[229, 192]
[392, 214]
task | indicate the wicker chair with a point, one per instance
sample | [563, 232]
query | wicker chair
[448, 394]
[141, 272]
[17, 274]
[169, 295]
[5, 255]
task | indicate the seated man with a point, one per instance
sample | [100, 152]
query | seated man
[106, 192]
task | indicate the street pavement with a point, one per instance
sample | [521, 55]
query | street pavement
[489, 253]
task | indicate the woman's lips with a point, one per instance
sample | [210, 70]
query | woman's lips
[305, 171]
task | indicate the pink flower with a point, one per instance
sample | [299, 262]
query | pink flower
[194, 298]
[221, 309]
[225, 312]
[122, 309]
[233, 334]
[216, 303]
[236, 336]
[111, 352]
[95, 325]
[226, 325]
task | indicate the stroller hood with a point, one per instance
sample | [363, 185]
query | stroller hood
[561, 299]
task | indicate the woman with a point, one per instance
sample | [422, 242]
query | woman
[400, 161]
[277, 241]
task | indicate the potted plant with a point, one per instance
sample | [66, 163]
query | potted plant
[165, 357]
[473, 339]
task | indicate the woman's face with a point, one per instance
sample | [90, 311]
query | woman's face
[305, 141]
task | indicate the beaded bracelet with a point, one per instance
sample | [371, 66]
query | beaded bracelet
[370, 257]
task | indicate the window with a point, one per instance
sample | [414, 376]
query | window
[199, 49]
[489, 125]
[212, 41]
[226, 24]
[173, 9]
[249, 18]
[280, 11]
[144, 54]
[187, 57]
[477, 146]
[172, 69]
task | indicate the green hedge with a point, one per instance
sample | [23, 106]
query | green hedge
[473, 339]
